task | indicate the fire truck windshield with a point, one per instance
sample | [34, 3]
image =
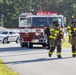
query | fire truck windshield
[52, 19]
[39, 21]
[22, 22]
[43, 21]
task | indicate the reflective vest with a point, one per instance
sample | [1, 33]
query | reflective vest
[71, 29]
[55, 32]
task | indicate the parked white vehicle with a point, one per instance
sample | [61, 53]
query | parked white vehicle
[9, 36]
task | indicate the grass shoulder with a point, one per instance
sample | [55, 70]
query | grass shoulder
[66, 43]
[4, 70]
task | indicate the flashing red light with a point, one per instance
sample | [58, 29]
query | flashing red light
[47, 13]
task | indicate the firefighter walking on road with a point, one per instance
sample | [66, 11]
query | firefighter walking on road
[72, 35]
[55, 37]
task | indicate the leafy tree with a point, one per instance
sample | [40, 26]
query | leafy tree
[11, 9]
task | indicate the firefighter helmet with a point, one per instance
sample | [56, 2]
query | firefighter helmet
[55, 23]
[73, 16]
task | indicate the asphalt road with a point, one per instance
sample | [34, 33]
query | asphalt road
[35, 61]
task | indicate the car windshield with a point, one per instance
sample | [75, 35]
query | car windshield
[0, 32]
[5, 32]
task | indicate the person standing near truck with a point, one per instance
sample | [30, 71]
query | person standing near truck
[55, 37]
[72, 35]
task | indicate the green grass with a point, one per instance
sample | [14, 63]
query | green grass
[66, 43]
[4, 70]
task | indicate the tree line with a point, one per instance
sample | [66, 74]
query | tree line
[11, 9]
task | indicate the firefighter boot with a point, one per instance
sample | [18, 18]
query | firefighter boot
[73, 51]
[51, 51]
[59, 56]
[49, 54]
[73, 55]
[59, 51]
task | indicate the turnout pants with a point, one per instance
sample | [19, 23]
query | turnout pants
[54, 44]
[73, 50]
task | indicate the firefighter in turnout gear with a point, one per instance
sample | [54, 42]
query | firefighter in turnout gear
[55, 39]
[72, 36]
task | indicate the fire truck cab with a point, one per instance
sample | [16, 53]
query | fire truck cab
[32, 27]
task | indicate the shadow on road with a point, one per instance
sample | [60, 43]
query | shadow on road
[19, 49]
[23, 53]
[12, 49]
[35, 60]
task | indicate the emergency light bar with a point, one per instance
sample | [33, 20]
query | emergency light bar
[46, 13]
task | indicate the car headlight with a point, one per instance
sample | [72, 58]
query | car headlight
[1, 36]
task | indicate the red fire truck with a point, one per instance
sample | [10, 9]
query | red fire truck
[32, 27]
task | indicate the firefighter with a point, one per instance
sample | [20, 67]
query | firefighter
[56, 35]
[73, 17]
[47, 32]
[72, 35]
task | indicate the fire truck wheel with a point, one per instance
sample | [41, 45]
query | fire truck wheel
[26, 45]
[30, 45]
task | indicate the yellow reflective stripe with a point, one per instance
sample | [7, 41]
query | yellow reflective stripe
[58, 53]
[70, 31]
[50, 52]
[73, 53]
[55, 34]
[70, 34]
[56, 31]
[51, 29]
[69, 27]
[52, 37]
[74, 28]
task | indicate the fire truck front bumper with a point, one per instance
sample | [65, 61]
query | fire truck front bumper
[37, 41]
